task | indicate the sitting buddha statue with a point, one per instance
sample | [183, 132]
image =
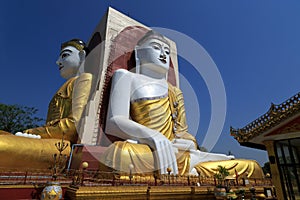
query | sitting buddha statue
[148, 114]
[65, 110]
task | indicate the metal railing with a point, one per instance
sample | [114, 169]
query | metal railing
[98, 178]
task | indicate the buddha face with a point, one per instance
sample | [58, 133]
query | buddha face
[154, 51]
[69, 61]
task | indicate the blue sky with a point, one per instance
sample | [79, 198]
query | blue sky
[255, 45]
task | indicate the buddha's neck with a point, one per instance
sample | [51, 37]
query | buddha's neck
[78, 72]
[72, 75]
[153, 71]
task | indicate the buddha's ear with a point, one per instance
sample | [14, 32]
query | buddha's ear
[82, 55]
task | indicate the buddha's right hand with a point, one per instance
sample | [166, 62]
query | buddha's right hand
[164, 153]
[35, 131]
[184, 144]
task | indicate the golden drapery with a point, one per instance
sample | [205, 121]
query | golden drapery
[167, 115]
[22, 153]
[65, 110]
[239, 167]
[164, 114]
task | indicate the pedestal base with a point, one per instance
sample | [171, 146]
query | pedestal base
[133, 192]
[83, 153]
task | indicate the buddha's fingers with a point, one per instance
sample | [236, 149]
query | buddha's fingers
[171, 159]
[165, 152]
[174, 161]
[164, 158]
[167, 155]
[160, 156]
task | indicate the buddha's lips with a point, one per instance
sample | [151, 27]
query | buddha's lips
[61, 67]
[163, 60]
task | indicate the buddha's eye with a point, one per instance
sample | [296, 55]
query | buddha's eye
[155, 46]
[167, 51]
[64, 55]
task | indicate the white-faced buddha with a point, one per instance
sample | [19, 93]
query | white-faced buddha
[148, 114]
[64, 111]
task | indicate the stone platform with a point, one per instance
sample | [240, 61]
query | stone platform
[133, 192]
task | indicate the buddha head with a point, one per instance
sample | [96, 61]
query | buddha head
[72, 55]
[153, 53]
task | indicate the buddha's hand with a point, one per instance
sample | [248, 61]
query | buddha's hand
[35, 131]
[164, 153]
[184, 144]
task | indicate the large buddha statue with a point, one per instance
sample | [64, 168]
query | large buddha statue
[37, 148]
[148, 114]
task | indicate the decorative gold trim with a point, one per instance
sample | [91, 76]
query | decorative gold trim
[73, 44]
[275, 115]
[153, 192]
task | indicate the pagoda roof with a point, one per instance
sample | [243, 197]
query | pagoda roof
[277, 120]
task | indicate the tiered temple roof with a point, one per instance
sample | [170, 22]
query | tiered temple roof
[276, 115]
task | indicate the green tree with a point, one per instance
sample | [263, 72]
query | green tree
[221, 174]
[14, 118]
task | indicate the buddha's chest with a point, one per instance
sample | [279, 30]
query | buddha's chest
[147, 89]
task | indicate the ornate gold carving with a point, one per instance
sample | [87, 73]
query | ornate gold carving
[59, 162]
[153, 192]
[73, 44]
[275, 115]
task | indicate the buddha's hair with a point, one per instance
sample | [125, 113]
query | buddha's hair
[77, 43]
[153, 35]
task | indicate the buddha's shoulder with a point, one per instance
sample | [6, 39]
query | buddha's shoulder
[123, 72]
[85, 76]
[66, 89]
[120, 73]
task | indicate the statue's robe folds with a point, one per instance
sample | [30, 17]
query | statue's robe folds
[236, 168]
[167, 115]
[64, 111]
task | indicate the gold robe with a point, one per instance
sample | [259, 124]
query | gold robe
[166, 115]
[64, 111]
[236, 168]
